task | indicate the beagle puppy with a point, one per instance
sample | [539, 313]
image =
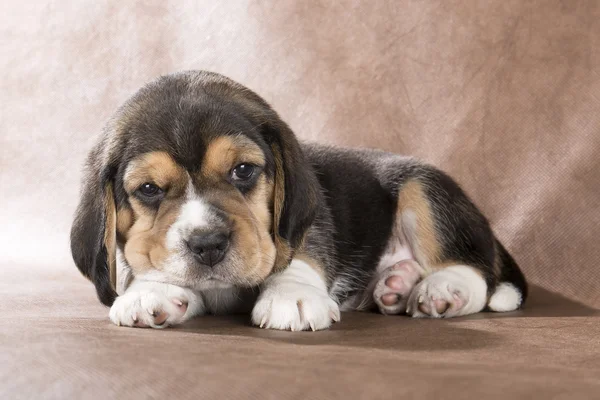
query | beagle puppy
[213, 206]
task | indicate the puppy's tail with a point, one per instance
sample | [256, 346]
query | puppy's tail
[511, 292]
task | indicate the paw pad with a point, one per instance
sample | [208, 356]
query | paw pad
[440, 306]
[394, 286]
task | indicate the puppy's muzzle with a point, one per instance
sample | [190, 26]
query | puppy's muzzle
[209, 247]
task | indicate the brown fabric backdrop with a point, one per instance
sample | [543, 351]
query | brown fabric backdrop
[503, 95]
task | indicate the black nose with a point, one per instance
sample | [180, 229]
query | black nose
[209, 247]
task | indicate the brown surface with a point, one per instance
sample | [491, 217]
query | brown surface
[59, 344]
[504, 95]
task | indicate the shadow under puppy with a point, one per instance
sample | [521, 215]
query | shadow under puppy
[215, 207]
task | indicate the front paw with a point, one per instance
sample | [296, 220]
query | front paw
[295, 307]
[154, 305]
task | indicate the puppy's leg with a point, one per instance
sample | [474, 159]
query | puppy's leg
[455, 253]
[295, 299]
[156, 305]
[459, 290]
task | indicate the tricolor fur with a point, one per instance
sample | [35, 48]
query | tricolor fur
[214, 206]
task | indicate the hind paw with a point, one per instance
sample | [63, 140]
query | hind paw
[394, 286]
[450, 292]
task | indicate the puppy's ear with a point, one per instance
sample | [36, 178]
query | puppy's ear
[296, 193]
[93, 234]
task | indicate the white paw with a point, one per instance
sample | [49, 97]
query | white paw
[295, 307]
[295, 299]
[151, 304]
[451, 292]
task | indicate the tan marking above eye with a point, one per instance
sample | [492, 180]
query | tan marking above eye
[158, 168]
[226, 152]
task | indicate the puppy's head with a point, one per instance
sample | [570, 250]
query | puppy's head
[199, 183]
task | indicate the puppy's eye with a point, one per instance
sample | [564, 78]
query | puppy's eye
[149, 190]
[243, 172]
